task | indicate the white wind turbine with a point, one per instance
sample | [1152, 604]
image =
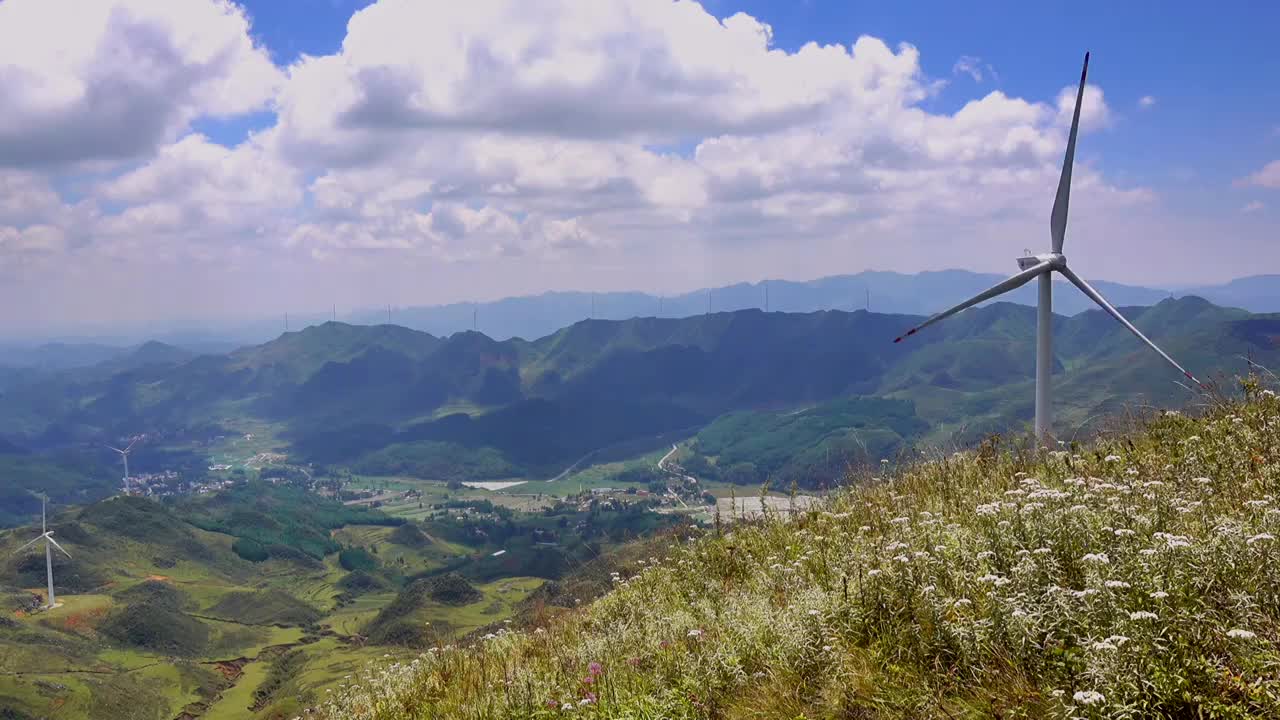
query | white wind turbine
[49, 543]
[1043, 266]
[124, 455]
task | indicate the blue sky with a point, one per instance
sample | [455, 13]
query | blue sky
[398, 171]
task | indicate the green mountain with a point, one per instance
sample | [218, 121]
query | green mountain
[389, 400]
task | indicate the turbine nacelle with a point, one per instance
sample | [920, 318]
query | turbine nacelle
[1056, 261]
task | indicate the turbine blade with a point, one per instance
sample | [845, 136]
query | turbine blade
[55, 544]
[112, 447]
[24, 547]
[135, 440]
[1012, 283]
[1095, 296]
[1058, 219]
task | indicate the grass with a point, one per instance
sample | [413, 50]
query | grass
[1134, 578]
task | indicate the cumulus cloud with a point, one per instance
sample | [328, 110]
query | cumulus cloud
[496, 136]
[1267, 177]
[112, 80]
[1146, 102]
[1253, 206]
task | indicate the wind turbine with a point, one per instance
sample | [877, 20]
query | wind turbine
[124, 455]
[1043, 266]
[47, 535]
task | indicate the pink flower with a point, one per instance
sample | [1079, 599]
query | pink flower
[589, 679]
[595, 668]
[553, 704]
[590, 697]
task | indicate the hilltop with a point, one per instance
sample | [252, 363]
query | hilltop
[1134, 577]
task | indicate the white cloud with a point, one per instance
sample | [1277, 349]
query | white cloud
[1094, 113]
[1147, 101]
[498, 146]
[1253, 206]
[111, 80]
[1267, 177]
[975, 68]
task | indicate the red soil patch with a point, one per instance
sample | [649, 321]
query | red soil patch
[158, 578]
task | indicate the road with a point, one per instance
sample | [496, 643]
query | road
[666, 457]
[661, 467]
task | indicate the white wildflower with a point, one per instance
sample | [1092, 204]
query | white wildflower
[1097, 558]
[1041, 551]
[1103, 645]
[1260, 537]
[1117, 585]
[900, 521]
[1159, 595]
[1152, 484]
[1111, 459]
[1257, 503]
[986, 555]
[872, 573]
[1142, 615]
[694, 633]
[1002, 524]
[1089, 697]
[1125, 532]
[1118, 640]
[1240, 634]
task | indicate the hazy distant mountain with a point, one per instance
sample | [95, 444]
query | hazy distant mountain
[1257, 293]
[884, 292]
[536, 316]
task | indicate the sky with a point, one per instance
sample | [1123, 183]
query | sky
[196, 161]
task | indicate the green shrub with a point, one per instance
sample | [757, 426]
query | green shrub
[357, 558]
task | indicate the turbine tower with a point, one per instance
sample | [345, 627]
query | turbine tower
[1043, 266]
[47, 535]
[124, 455]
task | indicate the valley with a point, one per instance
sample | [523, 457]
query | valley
[346, 494]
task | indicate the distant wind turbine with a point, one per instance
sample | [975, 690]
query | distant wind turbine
[124, 455]
[47, 535]
[1043, 266]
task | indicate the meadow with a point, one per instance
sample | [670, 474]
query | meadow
[1133, 577]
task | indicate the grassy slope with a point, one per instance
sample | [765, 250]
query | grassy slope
[1136, 578]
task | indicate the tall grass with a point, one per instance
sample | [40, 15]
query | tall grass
[1134, 578]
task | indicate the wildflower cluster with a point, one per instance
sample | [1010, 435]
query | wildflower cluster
[1139, 578]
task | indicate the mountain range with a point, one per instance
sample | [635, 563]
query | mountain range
[388, 400]
[540, 315]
